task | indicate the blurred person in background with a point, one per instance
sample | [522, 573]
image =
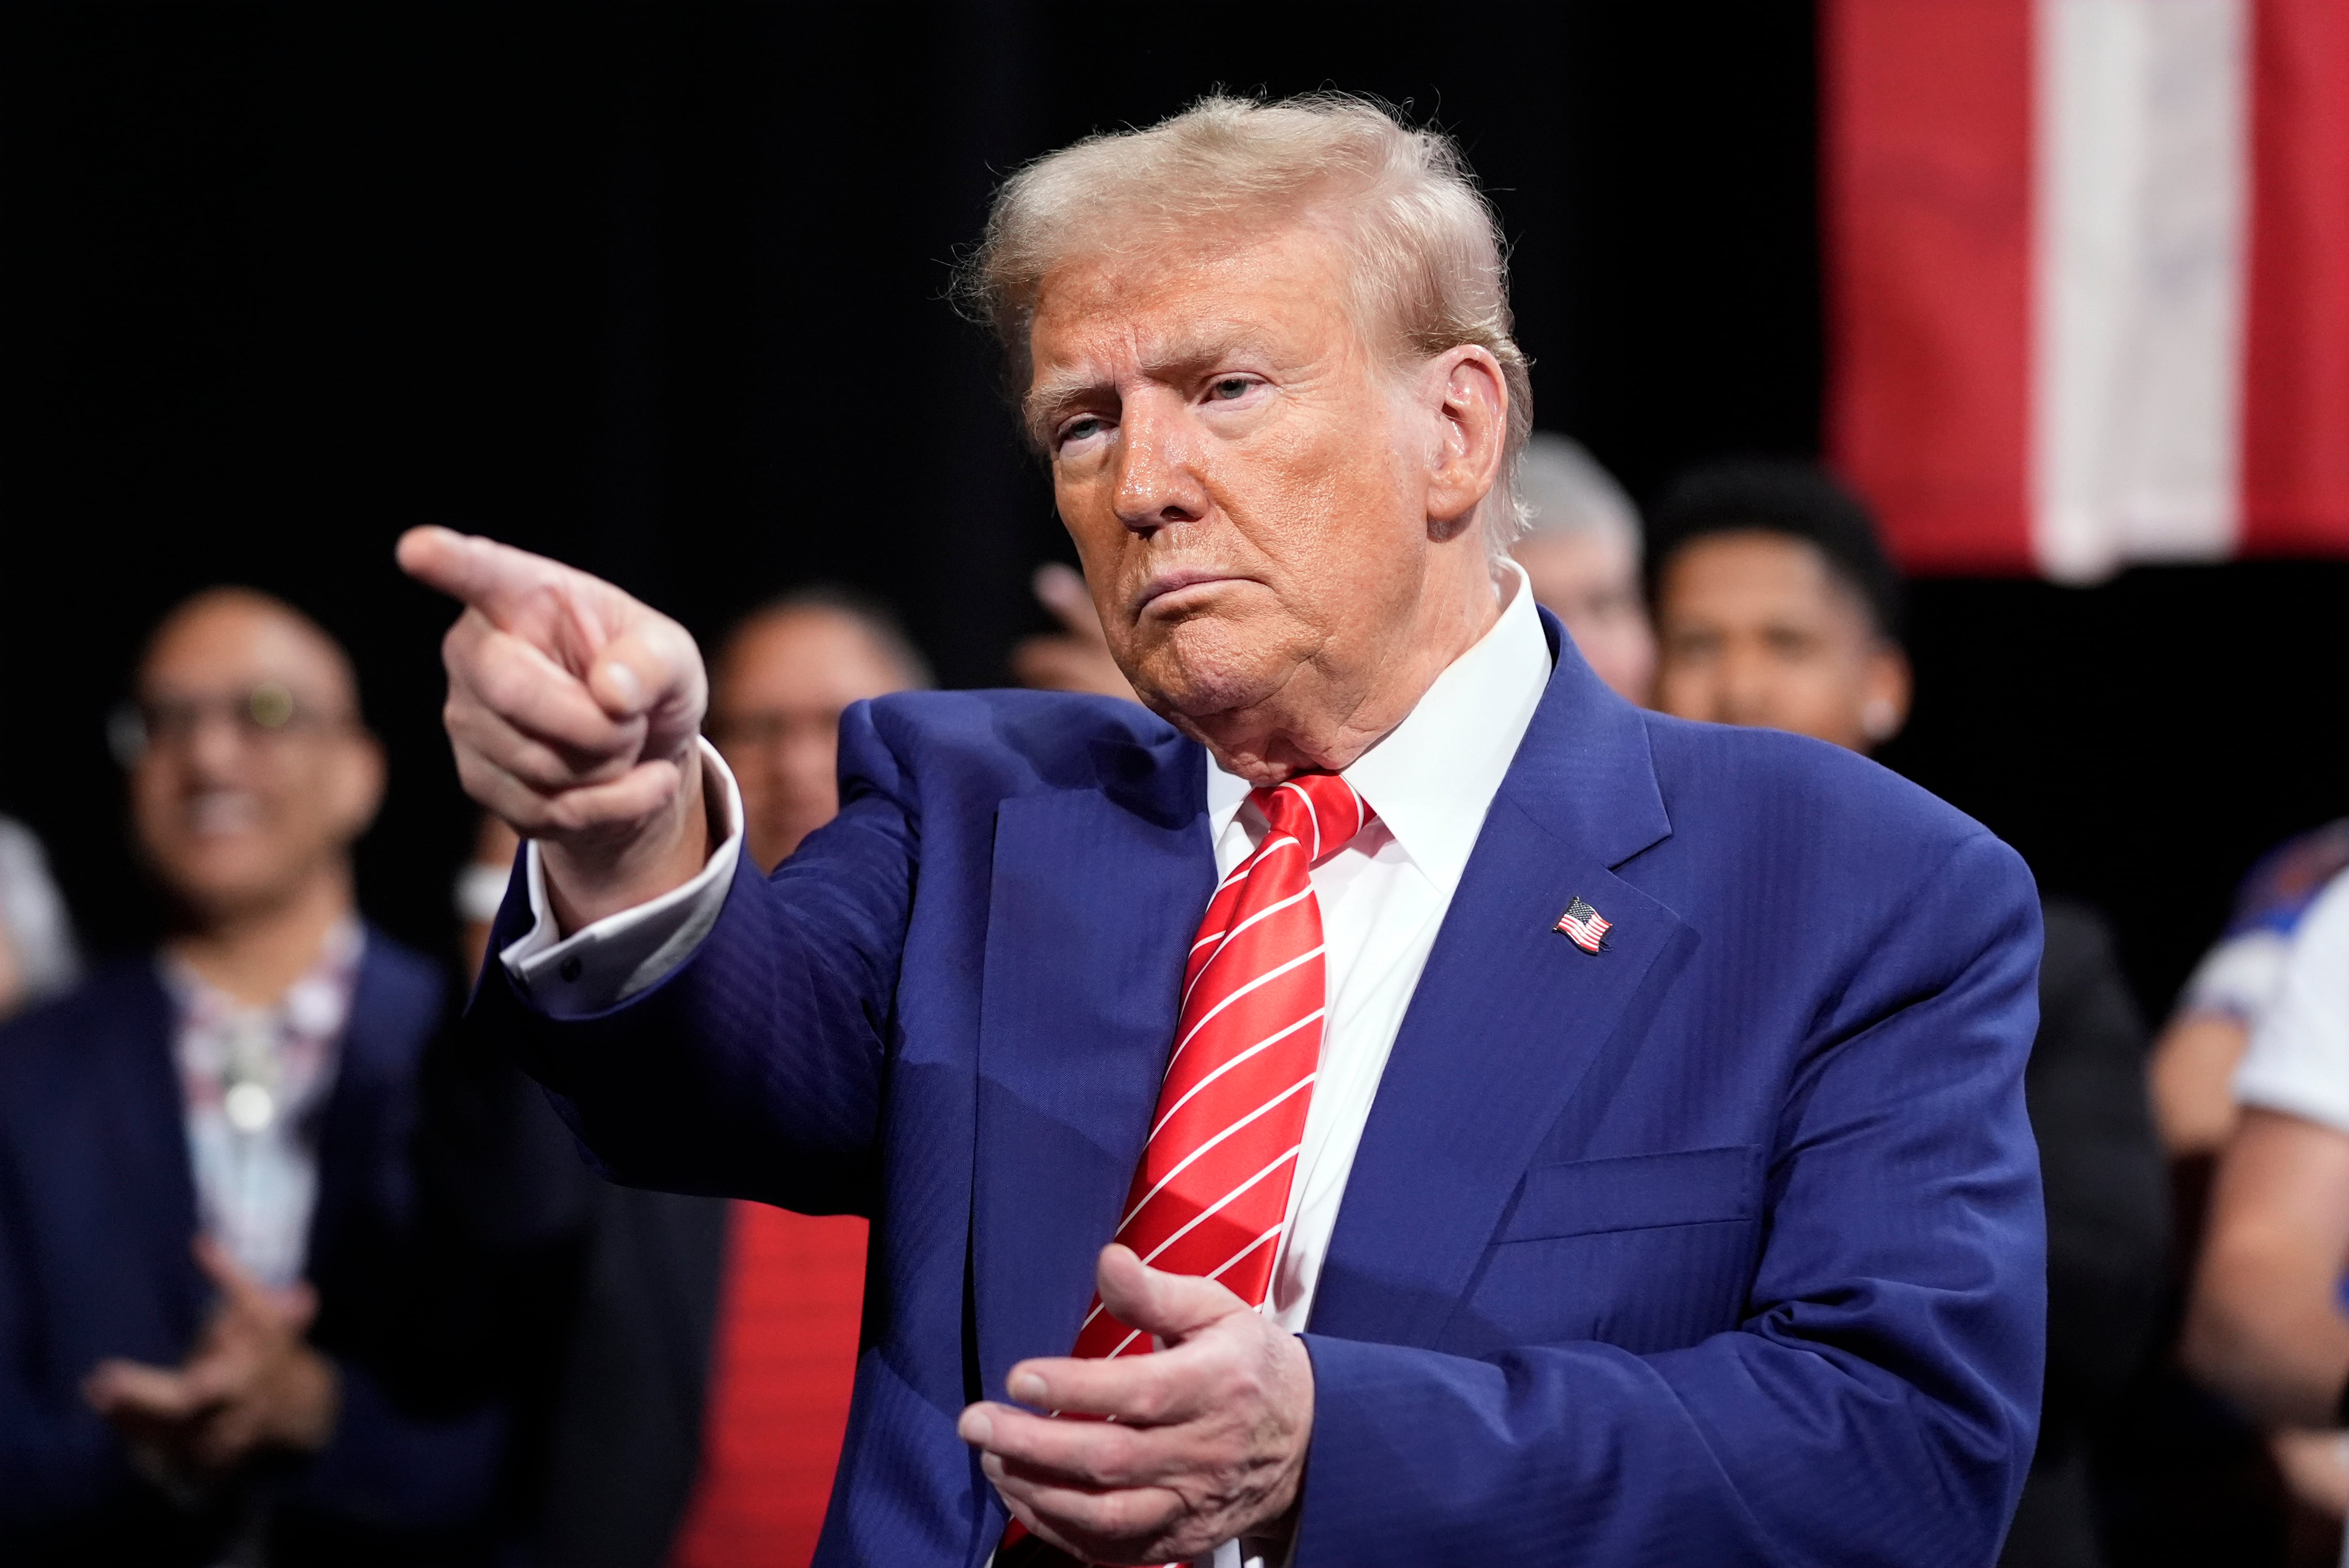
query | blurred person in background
[1581, 551]
[782, 679]
[1777, 606]
[203, 1164]
[37, 959]
[2266, 1326]
[2233, 988]
[692, 1411]
[2193, 1072]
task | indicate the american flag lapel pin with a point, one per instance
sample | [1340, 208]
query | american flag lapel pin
[1584, 926]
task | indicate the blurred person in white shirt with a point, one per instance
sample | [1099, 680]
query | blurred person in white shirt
[2267, 1326]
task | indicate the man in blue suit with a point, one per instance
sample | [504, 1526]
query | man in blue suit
[205, 1177]
[1655, 1187]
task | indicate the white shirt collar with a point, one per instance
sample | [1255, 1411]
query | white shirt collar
[1433, 777]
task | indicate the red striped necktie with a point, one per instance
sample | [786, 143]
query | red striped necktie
[1211, 1196]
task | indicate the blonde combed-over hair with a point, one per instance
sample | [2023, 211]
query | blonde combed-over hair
[1429, 270]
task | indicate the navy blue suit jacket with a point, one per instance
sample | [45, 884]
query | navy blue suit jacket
[1721, 1246]
[97, 1208]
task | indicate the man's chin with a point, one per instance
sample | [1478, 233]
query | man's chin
[1200, 695]
[1207, 666]
[213, 892]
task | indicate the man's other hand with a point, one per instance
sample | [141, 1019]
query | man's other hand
[572, 709]
[252, 1382]
[1208, 1437]
[1076, 658]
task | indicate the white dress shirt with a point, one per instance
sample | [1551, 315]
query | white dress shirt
[253, 1083]
[1384, 896]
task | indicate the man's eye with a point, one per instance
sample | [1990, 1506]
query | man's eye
[1081, 430]
[1232, 387]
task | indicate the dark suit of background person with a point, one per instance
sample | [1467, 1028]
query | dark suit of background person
[1777, 606]
[2107, 1224]
[127, 1359]
[97, 1208]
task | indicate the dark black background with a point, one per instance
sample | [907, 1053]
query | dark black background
[660, 290]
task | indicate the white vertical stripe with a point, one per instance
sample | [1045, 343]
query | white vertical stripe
[2141, 143]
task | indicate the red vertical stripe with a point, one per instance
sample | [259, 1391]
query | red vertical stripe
[1925, 115]
[2296, 363]
[782, 1362]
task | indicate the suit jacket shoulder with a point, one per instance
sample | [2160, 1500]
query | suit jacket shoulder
[1802, 793]
[1008, 743]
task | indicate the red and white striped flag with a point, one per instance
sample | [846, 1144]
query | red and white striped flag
[2089, 277]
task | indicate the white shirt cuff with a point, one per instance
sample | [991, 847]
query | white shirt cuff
[601, 965]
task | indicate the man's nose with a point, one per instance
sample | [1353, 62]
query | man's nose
[1748, 695]
[1158, 480]
[214, 747]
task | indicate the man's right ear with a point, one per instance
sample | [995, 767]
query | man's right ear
[1884, 711]
[1470, 403]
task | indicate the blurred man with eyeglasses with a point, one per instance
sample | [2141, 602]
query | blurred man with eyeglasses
[204, 1163]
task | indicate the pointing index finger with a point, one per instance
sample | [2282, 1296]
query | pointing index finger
[492, 577]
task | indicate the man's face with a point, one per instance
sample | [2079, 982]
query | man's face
[1753, 628]
[1229, 457]
[774, 713]
[254, 776]
[1589, 579]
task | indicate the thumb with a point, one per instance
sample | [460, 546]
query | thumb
[297, 1308]
[1062, 590]
[1170, 1305]
[241, 1293]
[652, 671]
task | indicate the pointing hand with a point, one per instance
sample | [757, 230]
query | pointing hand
[572, 709]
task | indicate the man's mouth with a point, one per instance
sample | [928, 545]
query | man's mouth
[222, 812]
[1177, 582]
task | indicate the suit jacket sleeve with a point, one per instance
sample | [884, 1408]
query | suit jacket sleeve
[787, 1004]
[1877, 1402]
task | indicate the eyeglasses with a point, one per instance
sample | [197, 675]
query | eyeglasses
[263, 716]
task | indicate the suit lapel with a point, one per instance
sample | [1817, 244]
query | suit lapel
[148, 1165]
[362, 1171]
[1095, 897]
[1510, 1018]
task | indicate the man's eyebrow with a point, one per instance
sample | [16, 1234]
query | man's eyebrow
[1056, 391]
